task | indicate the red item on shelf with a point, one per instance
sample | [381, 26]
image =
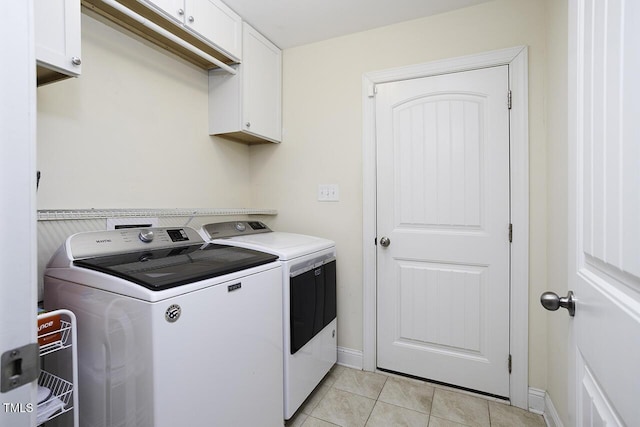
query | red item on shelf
[46, 325]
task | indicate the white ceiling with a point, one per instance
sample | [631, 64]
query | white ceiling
[289, 23]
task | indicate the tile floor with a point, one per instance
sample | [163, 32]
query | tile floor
[349, 397]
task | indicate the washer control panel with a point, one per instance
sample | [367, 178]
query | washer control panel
[221, 230]
[100, 243]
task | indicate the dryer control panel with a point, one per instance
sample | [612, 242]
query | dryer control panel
[221, 230]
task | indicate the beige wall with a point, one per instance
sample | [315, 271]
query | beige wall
[132, 132]
[323, 138]
[557, 188]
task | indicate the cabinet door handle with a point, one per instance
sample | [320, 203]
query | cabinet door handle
[180, 12]
[191, 19]
[248, 124]
[76, 61]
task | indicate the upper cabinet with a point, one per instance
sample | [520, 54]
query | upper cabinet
[211, 20]
[204, 32]
[57, 36]
[247, 106]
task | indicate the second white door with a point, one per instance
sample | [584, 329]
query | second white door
[443, 211]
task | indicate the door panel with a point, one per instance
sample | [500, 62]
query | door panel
[605, 250]
[426, 321]
[439, 160]
[443, 200]
[595, 410]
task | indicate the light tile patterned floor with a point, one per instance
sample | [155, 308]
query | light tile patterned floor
[352, 398]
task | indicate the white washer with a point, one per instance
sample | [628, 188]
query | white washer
[309, 300]
[171, 331]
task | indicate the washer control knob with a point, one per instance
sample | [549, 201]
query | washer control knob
[240, 226]
[146, 236]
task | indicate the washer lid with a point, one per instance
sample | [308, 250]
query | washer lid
[166, 268]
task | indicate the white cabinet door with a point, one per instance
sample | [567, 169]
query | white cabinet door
[248, 106]
[262, 91]
[171, 8]
[211, 20]
[57, 33]
[214, 21]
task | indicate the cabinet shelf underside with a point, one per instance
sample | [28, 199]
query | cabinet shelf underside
[140, 30]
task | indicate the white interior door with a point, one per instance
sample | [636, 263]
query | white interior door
[18, 264]
[605, 203]
[443, 209]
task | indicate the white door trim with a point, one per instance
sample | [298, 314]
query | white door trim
[517, 59]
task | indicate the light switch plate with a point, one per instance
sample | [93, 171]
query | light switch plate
[328, 192]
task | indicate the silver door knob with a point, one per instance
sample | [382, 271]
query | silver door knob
[76, 61]
[551, 301]
[385, 241]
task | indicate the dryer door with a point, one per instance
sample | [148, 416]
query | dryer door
[312, 303]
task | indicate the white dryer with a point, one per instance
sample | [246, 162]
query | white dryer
[171, 331]
[309, 300]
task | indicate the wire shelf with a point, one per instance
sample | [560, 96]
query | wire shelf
[59, 344]
[58, 402]
[76, 214]
[56, 394]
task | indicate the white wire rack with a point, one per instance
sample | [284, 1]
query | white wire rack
[70, 214]
[61, 341]
[59, 400]
[59, 395]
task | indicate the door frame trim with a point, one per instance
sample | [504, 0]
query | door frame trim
[517, 60]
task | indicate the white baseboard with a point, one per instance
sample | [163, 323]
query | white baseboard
[541, 403]
[536, 400]
[551, 416]
[350, 358]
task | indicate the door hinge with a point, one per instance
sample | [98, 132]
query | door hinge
[509, 363]
[510, 233]
[373, 89]
[509, 99]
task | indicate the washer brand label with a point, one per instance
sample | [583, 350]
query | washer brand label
[103, 241]
[173, 313]
[234, 287]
